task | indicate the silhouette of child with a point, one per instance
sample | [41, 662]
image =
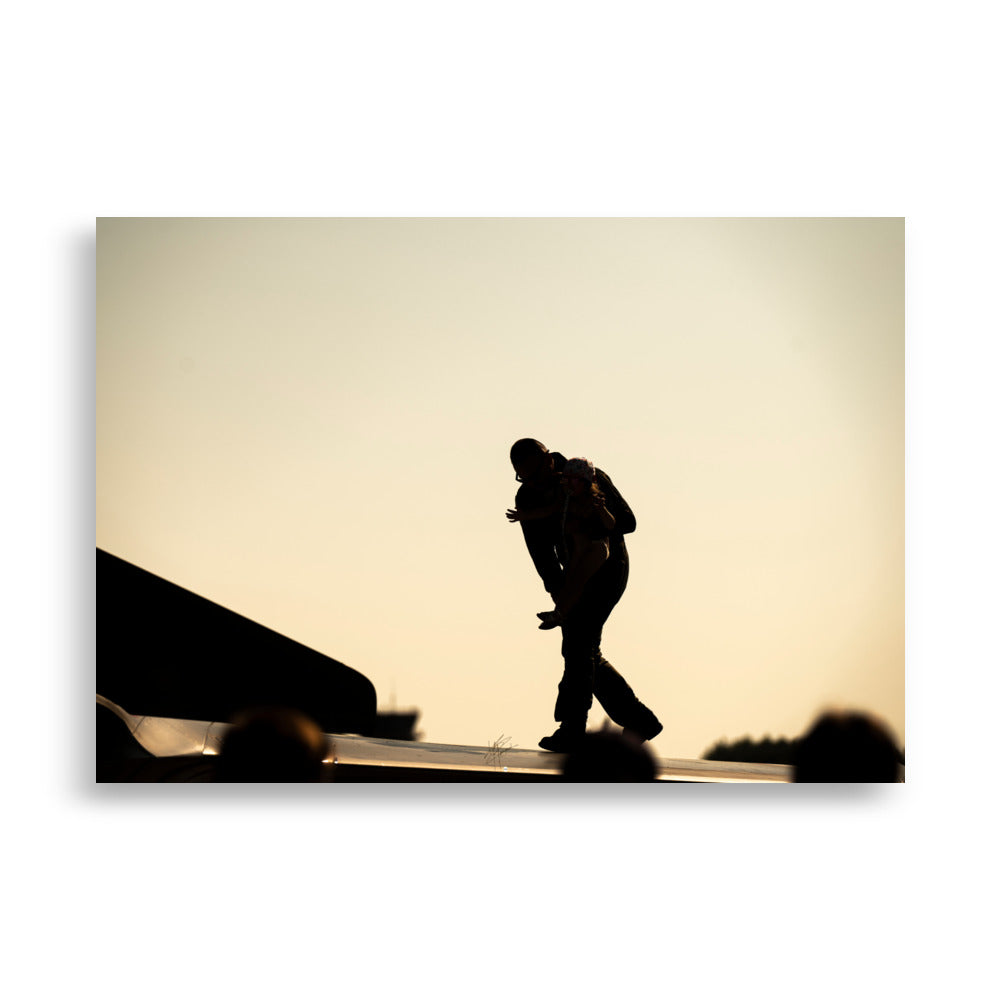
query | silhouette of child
[586, 524]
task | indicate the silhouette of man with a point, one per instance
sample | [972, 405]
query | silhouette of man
[586, 673]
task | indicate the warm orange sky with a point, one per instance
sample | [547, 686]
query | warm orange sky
[308, 421]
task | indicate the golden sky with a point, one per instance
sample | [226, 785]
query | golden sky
[308, 421]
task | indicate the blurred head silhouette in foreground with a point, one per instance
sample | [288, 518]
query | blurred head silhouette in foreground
[272, 744]
[847, 747]
[609, 756]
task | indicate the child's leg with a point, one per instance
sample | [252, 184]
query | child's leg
[588, 558]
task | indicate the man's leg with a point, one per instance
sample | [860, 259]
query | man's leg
[611, 690]
[576, 688]
[620, 702]
[581, 645]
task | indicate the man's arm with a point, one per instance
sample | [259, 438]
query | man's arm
[624, 518]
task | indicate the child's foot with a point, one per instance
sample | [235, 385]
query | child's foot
[550, 619]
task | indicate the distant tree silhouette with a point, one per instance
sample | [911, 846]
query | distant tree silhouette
[763, 751]
[749, 751]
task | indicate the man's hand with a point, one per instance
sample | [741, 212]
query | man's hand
[513, 516]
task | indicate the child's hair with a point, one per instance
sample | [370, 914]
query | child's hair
[594, 491]
[581, 468]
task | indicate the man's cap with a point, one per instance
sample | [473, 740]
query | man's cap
[526, 448]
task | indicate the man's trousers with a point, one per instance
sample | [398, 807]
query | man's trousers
[586, 673]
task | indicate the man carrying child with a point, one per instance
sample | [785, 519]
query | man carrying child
[574, 527]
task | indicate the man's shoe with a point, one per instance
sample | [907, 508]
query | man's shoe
[634, 734]
[561, 741]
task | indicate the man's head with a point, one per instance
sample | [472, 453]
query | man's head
[531, 459]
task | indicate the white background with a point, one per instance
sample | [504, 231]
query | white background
[529, 109]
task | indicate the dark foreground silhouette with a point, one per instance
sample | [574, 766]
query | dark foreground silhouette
[273, 744]
[609, 756]
[848, 746]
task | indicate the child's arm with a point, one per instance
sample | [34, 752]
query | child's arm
[607, 518]
[624, 518]
[595, 503]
